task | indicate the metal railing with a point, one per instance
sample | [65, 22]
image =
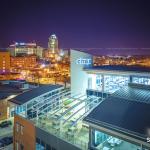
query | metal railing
[63, 136]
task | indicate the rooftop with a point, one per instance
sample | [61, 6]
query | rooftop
[137, 69]
[6, 90]
[27, 96]
[65, 121]
[4, 95]
[9, 89]
[134, 92]
[126, 111]
[116, 51]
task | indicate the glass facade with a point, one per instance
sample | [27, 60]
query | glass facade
[141, 80]
[101, 140]
[20, 109]
[111, 82]
[41, 145]
[95, 82]
[41, 104]
[66, 122]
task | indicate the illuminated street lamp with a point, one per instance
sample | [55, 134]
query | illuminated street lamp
[43, 66]
[56, 75]
[66, 79]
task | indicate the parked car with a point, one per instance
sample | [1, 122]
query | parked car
[1, 144]
[6, 140]
[5, 124]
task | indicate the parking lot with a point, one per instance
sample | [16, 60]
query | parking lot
[9, 147]
[6, 130]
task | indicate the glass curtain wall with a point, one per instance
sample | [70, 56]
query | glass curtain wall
[111, 82]
[141, 80]
[101, 140]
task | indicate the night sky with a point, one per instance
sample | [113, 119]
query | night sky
[77, 23]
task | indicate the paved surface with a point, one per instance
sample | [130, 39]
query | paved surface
[6, 131]
[9, 147]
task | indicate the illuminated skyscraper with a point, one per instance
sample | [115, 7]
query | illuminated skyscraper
[53, 43]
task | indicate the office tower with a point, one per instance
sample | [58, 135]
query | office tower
[53, 43]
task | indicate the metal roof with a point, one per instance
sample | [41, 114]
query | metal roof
[27, 96]
[4, 95]
[134, 92]
[115, 51]
[7, 90]
[126, 111]
[137, 69]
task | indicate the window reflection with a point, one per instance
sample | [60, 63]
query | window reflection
[104, 141]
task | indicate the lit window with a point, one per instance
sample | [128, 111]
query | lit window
[17, 146]
[22, 127]
[17, 127]
[21, 147]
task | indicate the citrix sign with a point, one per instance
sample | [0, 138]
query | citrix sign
[84, 61]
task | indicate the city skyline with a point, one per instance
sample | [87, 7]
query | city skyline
[77, 24]
[74, 75]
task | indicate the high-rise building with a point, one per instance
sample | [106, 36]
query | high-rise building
[4, 62]
[53, 43]
[18, 49]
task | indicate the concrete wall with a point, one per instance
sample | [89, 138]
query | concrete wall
[79, 78]
[53, 141]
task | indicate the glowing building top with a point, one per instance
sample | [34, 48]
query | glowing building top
[53, 43]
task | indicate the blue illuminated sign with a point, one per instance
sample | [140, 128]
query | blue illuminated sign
[84, 61]
[21, 43]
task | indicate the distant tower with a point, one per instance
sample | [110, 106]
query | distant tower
[53, 43]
